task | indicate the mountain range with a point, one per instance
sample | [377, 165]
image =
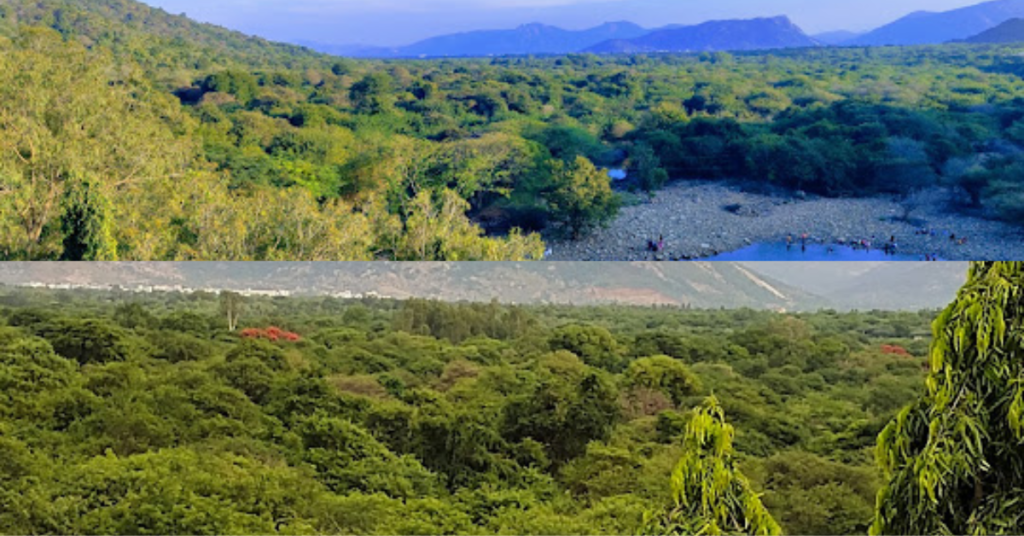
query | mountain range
[924, 27]
[112, 21]
[608, 38]
[753, 34]
[723, 35]
[785, 286]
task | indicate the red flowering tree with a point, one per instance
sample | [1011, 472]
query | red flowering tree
[273, 334]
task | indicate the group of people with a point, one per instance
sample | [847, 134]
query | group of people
[656, 247]
[958, 240]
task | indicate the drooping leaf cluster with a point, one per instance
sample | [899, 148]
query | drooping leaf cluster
[953, 458]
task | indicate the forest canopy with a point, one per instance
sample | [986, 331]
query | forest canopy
[132, 413]
[130, 133]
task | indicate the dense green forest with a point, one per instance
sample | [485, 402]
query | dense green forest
[145, 414]
[128, 133]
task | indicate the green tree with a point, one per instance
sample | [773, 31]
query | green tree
[86, 225]
[646, 168]
[581, 196]
[372, 94]
[953, 459]
[662, 373]
[595, 345]
[711, 496]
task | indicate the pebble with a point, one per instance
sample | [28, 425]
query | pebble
[691, 217]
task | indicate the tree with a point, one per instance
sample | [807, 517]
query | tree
[231, 305]
[953, 459]
[595, 345]
[647, 169]
[711, 496]
[86, 225]
[662, 373]
[372, 94]
[581, 196]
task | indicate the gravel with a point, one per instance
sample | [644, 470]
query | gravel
[701, 219]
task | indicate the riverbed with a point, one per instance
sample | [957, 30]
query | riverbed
[699, 220]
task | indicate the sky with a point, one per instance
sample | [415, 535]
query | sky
[399, 22]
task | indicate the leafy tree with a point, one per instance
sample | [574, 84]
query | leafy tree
[953, 458]
[664, 374]
[581, 196]
[87, 226]
[711, 496]
[646, 168]
[596, 346]
[87, 341]
[372, 94]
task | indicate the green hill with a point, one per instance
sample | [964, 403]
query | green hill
[129, 27]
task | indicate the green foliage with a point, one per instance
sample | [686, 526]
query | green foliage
[581, 196]
[711, 496]
[86, 226]
[952, 458]
[180, 128]
[664, 374]
[144, 413]
[593, 344]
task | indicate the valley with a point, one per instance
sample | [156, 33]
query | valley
[133, 134]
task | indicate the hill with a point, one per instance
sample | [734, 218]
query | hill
[1011, 31]
[526, 39]
[754, 34]
[932, 28]
[873, 285]
[128, 26]
[695, 284]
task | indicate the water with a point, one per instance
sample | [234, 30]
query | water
[815, 252]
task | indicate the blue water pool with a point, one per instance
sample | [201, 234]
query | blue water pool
[814, 252]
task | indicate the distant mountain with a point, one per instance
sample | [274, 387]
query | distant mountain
[526, 39]
[873, 285]
[1011, 31]
[839, 37]
[932, 28]
[753, 34]
[706, 285]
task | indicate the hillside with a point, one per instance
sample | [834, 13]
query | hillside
[127, 26]
[1011, 31]
[754, 34]
[695, 284]
[932, 28]
[873, 285]
[526, 39]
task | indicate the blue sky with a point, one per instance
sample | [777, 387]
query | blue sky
[394, 22]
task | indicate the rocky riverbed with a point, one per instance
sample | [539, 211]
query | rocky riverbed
[703, 219]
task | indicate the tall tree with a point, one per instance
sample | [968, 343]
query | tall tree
[954, 459]
[711, 496]
[231, 304]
